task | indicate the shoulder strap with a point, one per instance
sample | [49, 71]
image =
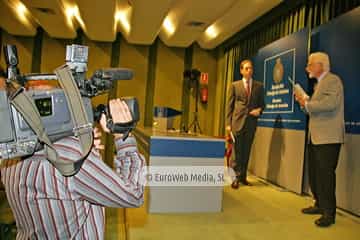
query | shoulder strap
[82, 126]
[25, 105]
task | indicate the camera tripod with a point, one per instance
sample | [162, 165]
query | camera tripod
[195, 123]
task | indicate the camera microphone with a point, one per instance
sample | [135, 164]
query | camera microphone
[114, 74]
[103, 79]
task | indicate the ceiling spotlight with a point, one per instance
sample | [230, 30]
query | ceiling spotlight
[168, 26]
[70, 13]
[73, 12]
[21, 11]
[122, 16]
[211, 32]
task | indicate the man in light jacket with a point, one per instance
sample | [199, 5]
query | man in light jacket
[326, 134]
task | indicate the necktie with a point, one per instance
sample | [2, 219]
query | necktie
[248, 89]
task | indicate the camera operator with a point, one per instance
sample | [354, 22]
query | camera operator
[48, 205]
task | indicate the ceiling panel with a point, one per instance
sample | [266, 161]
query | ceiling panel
[189, 20]
[99, 19]
[239, 16]
[146, 20]
[51, 17]
[11, 22]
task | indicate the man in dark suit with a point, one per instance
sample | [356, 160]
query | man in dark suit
[326, 130]
[244, 106]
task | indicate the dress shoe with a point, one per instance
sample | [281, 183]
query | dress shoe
[235, 184]
[245, 182]
[325, 221]
[312, 210]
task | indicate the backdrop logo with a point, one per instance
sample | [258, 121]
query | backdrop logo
[278, 71]
[278, 92]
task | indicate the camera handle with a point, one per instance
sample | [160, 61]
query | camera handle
[123, 128]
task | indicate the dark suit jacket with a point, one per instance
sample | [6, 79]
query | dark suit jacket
[239, 106]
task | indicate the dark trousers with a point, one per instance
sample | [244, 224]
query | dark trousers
[243, 142]
[323, 159]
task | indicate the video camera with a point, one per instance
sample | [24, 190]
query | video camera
[18, 139]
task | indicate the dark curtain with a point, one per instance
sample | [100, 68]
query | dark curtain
[309, 14]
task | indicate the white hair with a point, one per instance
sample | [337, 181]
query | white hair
[322, 58]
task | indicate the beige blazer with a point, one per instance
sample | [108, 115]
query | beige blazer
[326, 111]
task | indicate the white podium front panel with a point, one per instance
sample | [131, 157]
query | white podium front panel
[170, 150]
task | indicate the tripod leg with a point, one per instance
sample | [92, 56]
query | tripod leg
[198, 125]
[193, 124]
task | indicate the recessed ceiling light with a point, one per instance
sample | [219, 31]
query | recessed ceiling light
[73, 12]
[122, 16]
[21, 11]
[211, 32]
[168, 26]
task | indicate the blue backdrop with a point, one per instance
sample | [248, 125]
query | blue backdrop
[340, 38]
[274, 65]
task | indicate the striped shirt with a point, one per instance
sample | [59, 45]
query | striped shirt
[47, 205]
